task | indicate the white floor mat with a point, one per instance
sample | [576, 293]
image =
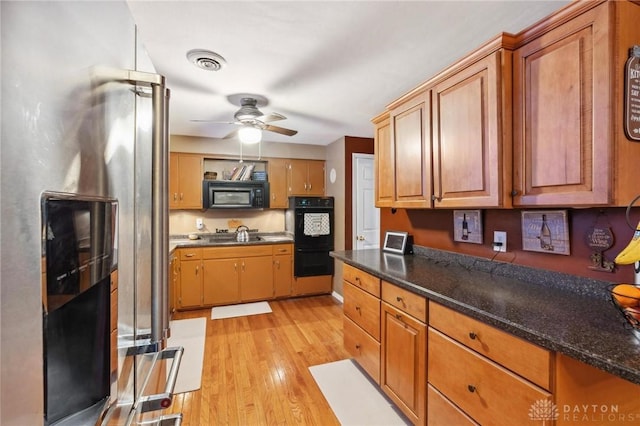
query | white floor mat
[190, 334]
[339, 381]
[230, 311]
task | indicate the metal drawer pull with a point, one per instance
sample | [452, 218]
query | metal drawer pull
[398, 299]
[189, 255]
[398, 316]
[162, 400]
[473, 336]
[471, 388]
[358, 308]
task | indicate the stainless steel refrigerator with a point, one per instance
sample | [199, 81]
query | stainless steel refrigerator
[82, 115]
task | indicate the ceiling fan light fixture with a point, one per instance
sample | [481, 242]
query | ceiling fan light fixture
[206, 59]
[249, 135]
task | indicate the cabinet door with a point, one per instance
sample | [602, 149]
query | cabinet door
[174, 181]
[404, 375]
[384, 161]
[190, 283]
[256, 283]
[410, 132]
[221, 281]
[282, 275]
[190, 172]
[278, 184]
[297, 177]
[315, 178]
[561, 115]
[467, 136]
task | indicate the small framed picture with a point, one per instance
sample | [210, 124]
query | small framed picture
[467, 226]
[395, 242]
[546, 231]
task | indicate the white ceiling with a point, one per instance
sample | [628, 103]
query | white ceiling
[328, 66]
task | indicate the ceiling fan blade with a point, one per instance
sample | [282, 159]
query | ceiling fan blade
[232, 134]
[274, 116]
[215, 122]
[280, 130]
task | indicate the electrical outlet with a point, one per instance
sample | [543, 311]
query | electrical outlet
[500, 241]
[199, 223]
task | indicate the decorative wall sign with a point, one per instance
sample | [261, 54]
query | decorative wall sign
[545, 231]
[632, 95]
[600, 238]
[467, 226]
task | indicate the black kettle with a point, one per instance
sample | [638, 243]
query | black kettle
[242, 235]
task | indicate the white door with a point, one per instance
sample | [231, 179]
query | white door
[366, 216]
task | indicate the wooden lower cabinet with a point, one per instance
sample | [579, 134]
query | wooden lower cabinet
[587, 395]
[320, 284]
[212, 276]
[221, 281]
[486, 391]
[403, 373]
[190, 294]
[361, 307]
[282, 270]
[442, 412]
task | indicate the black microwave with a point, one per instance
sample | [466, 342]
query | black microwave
[235, 194]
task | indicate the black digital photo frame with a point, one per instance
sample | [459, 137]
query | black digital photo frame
[396, 242]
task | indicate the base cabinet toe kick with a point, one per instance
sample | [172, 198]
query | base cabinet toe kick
[442, 367]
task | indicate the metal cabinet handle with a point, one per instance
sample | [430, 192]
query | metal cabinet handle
[471, 388]
[197, 267]
[189, 255]
[398, 316]
[358, 308]
[398, 299]
[235, 266]
[473, 336]
[181, 196]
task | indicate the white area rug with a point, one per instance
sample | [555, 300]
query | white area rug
[354, 399]
[190, 334]
[244, 309]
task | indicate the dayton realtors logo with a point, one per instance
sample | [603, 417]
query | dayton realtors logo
[544, 410]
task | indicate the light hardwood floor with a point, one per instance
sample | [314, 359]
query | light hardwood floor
[255, 368]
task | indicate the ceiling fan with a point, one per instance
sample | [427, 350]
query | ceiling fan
[253, 120]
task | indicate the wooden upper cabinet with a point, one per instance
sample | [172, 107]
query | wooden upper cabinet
[410, 130]
[471, 135]
[569, 142]
[384, 162]
[306, 177]
[278, 193]
[185, 181]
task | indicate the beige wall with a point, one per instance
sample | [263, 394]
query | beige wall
[227, 148]
[182, 222]
[335, 160]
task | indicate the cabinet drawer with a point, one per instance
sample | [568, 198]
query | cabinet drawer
[526, 359]
[236, 251]
[404, 300]
[363, 348]
[361, 279]
[443, 412]
[282, 249]
[485, 391]
[190, 254]
[363, 309]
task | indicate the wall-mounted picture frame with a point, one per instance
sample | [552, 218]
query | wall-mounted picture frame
[546, 231]
[396, 242]
[467, 226]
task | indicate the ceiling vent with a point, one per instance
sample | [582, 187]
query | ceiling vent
[206, 59]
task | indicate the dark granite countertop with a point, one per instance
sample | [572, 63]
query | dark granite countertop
[571, 315]
[219, 240]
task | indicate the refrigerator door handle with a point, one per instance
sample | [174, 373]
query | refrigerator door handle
[160, 187]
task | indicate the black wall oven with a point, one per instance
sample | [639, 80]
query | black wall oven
[310, 219]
